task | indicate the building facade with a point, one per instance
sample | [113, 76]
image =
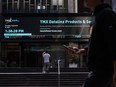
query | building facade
[20, 52]
[42, 6]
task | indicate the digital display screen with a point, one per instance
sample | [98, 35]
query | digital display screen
[46, 28]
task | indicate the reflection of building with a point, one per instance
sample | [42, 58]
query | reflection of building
[29, 54]
[26, 51]
[34, 6]
[51, 6]
[42, 6]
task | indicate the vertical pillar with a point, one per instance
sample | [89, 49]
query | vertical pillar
[18, 3]
[0, 20]
[72, 6]
[35, 6]
[15, 5]
[76, 6]
[61, 5]
[32, 5]
[29, 5]
[12, 4]
[57, 3]
[40, 4]
[54, 5]
[7, 2]
[0, 6]
[26, 5]
[46, 5]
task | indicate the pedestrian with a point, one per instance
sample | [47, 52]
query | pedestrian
[46, 61]
[101, 52]
[102, 46]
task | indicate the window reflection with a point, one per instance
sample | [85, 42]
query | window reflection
[44, 6]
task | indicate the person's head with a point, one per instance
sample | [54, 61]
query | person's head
[46, 51]
[92, 3]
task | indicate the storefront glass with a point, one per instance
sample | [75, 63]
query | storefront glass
[30, 55]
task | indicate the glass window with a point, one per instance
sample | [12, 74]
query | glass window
[44, 6]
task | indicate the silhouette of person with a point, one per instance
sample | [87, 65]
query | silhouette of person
[101, 51]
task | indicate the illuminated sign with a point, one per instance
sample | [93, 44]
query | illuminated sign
[46, 27]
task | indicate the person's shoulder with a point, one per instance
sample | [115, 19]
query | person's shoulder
[108, 13]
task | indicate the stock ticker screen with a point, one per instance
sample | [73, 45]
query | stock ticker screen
[46, 27]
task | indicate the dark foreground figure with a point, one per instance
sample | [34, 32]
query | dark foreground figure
[101, 51]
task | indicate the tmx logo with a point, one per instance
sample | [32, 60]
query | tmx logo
[11, 20]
